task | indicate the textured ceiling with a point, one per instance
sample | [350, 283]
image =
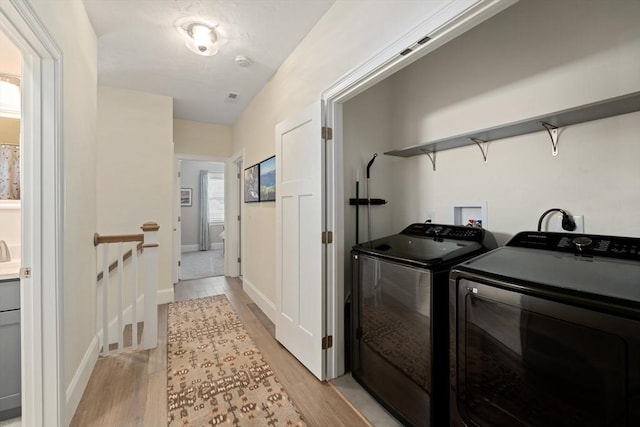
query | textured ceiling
[140, 49]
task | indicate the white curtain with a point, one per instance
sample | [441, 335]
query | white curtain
[204, 240]
[9, 171]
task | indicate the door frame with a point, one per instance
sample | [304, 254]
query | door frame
[177, 157]
[42, 216]
[234, 207]
[380, 66]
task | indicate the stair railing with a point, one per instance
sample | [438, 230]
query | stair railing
[147, 244]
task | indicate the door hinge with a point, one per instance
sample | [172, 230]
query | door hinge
[238, 217]
[238, 259]
[179, 263]
[327, 342]
[238, 175]
[358, 332]
[25, 273]
[179, 175]
[327, 133]
[178, 219]
[327, 237]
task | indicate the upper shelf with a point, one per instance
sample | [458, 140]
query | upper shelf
[550, 122]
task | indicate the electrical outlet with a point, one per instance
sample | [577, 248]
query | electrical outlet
[579, 220]
[429, 217]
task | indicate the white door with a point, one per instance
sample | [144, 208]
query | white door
[300, 293]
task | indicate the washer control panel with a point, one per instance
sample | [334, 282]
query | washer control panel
[579, 244]
[454, 232]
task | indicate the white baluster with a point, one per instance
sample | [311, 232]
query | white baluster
[150, 248]
[120, 287]
[134, 297]
[105, 299]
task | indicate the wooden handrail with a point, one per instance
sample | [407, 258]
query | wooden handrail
[125, 257]
[116, 238]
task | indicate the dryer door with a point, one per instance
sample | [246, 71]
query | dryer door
[529, 361]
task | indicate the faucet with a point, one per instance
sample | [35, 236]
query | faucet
[5, 256]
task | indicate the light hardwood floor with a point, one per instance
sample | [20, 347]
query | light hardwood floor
[131, 389]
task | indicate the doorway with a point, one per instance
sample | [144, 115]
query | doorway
[10, 231]
[41, 216]
[202, 219]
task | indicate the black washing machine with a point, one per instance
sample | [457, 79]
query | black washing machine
[546, 332]
[399, 335]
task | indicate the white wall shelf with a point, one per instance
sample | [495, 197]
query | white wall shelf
[549, 122]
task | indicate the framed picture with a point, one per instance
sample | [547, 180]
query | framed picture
[185, 197]
[252, 184]
[268, 180]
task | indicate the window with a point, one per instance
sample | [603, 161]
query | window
[216, 197]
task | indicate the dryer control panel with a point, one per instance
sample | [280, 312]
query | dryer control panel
[579, 244]
[454, 232]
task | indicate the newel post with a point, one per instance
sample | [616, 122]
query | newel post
[150, 250]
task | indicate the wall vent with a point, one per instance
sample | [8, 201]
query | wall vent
[232, 98]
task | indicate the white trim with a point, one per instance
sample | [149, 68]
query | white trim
[200, 157]
[196, 248]
[189, 248]
[233, 208]
[81, 379]
[449, 22]
[42, 295]
[267, 307]
[83, 373]
[165, 296]
[10, 205]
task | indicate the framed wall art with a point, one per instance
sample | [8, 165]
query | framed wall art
[186, 197]
[268, 180]
[252, 184]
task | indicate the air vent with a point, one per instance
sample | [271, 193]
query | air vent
[406, 52]
[232, 98]
[424, 40]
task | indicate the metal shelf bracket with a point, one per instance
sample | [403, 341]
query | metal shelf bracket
[553, 134]
[483, 146]
[432, 156]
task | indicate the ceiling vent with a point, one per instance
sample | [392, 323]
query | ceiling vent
[232, 98]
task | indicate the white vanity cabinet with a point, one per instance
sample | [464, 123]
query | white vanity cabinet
[10, 388]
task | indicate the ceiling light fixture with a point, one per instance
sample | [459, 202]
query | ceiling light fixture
[9, 95]
[200, 37]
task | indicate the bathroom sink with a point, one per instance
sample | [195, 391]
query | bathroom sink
[10, 270]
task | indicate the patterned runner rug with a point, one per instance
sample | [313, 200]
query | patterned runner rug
[215, 373]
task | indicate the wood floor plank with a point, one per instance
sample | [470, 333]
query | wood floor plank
[131, 389]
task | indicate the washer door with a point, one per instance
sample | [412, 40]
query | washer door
[529, 361]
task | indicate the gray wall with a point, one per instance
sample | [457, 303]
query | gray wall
[189, 178]
[522, 63]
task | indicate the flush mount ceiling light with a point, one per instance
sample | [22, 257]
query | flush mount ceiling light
[199, 36]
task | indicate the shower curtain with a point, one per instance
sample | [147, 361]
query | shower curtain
[204, 241]
[9, 171]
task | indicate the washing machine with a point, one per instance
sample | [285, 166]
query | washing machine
[399, 336]
[546, 332]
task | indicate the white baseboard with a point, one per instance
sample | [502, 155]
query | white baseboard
[194, 248]
[83, 373]
[267, 307]
[81, 379]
